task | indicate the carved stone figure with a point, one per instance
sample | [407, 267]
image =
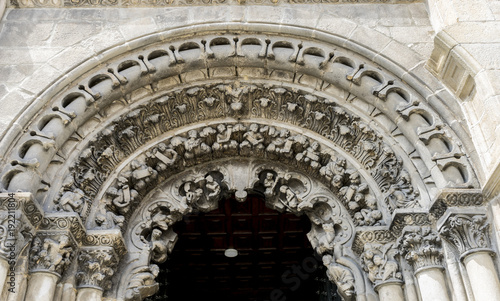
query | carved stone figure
[142, 284]
[49, 254]
[401, 194]
[106, 219]
[72, 201]
[310, 155]
[253, 140]
[224, 143]
[203, 192]
[341, 275]
[378, 260]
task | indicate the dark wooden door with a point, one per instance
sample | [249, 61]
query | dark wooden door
[275, 260]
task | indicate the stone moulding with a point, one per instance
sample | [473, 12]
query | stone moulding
[284, 56]
[173, 3]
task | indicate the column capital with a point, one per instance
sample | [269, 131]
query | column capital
[96, 265]
[421, 247]
[466, 230]
[378, 260]
[53, 248]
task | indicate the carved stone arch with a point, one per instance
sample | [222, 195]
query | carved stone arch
[152, 238]
[371, 138]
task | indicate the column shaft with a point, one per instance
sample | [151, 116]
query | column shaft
[432, 284]
[89, 294]
[483, 276]
[390, 292]
[41, 286]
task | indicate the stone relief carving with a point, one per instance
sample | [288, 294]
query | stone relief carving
[342, 276]
[421, 247]
[51, 254]
[379, 262]
[467, 232]
[142, 283]
[96, 265]
[125, 135]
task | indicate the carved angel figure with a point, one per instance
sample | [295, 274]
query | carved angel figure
[159, 248]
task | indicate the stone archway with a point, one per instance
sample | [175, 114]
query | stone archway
[111, 162]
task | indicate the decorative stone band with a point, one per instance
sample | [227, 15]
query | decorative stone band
[170, 3]
[20, 215]
[467, 229]
[456, 198]
[421, 247]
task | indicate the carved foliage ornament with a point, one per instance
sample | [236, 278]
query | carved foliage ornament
[421, 247]
[467, 232]
[131, 131]
[96, 265]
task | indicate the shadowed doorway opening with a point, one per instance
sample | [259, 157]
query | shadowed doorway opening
[274, 261]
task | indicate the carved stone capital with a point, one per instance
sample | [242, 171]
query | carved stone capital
[96, 265]
[51, 253]
[468, 232]
[20, 215]
[53, 248]
[378, 260]
[421, 247]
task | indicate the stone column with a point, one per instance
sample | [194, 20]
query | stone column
[50, 255]
[96, 265]
[470, 234]
[383, 270]
[421, 247]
